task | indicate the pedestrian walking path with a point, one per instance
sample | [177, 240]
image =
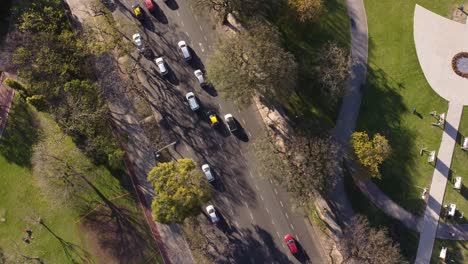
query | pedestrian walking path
[439, 181]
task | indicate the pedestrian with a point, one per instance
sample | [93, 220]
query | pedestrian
[26, 240]
[29, 232]
[452, 234]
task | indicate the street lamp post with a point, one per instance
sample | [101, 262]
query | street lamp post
[157, 153]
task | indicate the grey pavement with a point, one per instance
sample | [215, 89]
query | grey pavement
[439, 182]
[349, 111]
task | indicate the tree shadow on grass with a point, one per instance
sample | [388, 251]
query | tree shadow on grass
[73, 252]
[20, 134]
[383, 111]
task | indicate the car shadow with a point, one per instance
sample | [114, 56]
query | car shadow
[159, 15]
[196, 62]
[172, 4]
[149, 54]
[240, 132]
[209, 89]
[148, 24]
[301, 254]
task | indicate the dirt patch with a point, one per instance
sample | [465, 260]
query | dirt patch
[115, 236]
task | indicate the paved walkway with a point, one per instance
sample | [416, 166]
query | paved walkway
[349, 111]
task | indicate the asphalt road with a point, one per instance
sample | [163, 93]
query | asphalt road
[255, 212]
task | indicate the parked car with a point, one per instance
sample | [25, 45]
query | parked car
[199, 76]
[137, 40]
[150, 5]
[184, 50]
[137, 11]
[207, 170]
[192, 100]
[212, 213]
[213, 118]
[291, 243]
[161, 66]
[231, 122]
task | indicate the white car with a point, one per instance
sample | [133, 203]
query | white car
[137, 40]
[207, 170]
[192, 100]
[184, 50]
[199, 75]
[161, 66]
[212, 213]
[230, 122]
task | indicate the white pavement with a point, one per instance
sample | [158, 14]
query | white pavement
[437, 41]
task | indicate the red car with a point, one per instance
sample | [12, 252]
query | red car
[291, 243]
[150, 5]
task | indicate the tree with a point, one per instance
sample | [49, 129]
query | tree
[224, 7]
[257, 65]
[308, 10]
[332, 71]
[371, 154]
[180, 189]
[306, 165]
[366, 245]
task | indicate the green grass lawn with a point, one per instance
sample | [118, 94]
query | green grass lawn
[304, 40]
[395, 85]
[459, 168]
[457, 252]
[26, 195]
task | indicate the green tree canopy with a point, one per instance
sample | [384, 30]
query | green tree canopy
[371, 153]
[180, 189]
[253, 62]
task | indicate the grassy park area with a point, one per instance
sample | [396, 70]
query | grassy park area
[83, 222]
[459, 168]
[457, 251]
[394, 87]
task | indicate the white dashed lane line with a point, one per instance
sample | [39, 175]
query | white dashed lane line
[273, 221]
[281, 204]
[251, 216]
[276, 192]
[203, 50]
[243, 120]
[287, 216]
[186, 147]
[201, 28]
[292, 227]
[250, 135]
[278, 235]
[205, 38]
[241, 192]
[261, 197]
[178, 14]
[268, 211]
[251, 175]
[182, 23]
[297, 238]
[188, 35]
[256, 187]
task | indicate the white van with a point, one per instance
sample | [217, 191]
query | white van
[192, 100]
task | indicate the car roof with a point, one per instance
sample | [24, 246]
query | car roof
[189, 94]
[181, 43]
[204, 166]
[198, 72]
[288, 237]
[209, 207]
[159, 59]
[226, 116]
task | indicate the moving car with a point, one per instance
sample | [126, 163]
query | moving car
[137, 11]
[212, 213]
[207, 170]
[192, 100]
[150, 5]
[161, 66]
[199, 76]
[291, 243]
[213, 118]
[137, 40]
[184, 50]
[231, 122]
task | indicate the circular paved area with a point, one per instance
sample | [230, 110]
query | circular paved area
[437, 41]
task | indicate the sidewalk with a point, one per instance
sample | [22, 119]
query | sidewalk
[439, 181]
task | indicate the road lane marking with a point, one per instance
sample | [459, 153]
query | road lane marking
[246, 204]
[250, 135]
[278, 235]
[251, 175]
[251, 215]
[241, 192]
[268, 211]
[218, 103]
[281, 204]
[182, 22]
[238, 110]
[297, 238]
[274, 189]
[236, 181]
[284, 247]
[240, 150]
[272, 221]
[256, 187]
[203, 50]
[186, 147]
[292, 227]
[221, 147]
[205, 38]
[196, 17]
[287, 216]
[271, 181]
[178, 13]
[261, 197]
[232, 171]
[186, 33]
[200, 27]
[243, 120]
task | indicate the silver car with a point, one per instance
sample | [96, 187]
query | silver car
[161, 66]
[212, 213]
[192, 100]
[199, 76]
[184, 50]
[207, 170]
